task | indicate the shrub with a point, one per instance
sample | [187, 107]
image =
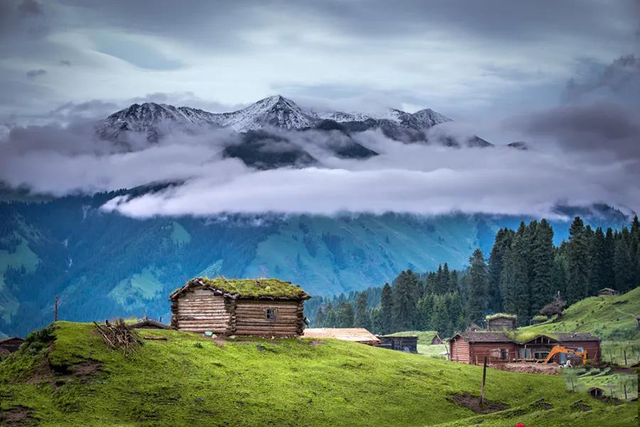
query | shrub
[39, 339]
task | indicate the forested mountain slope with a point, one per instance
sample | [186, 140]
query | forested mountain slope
[102, 264]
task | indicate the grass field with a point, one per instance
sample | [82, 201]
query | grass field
[613, 383]
[612, 318]
[189, 380]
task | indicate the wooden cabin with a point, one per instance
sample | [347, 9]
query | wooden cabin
[148, 323]
[608, 291]
[359, 335]
[500, 347]
[9, 345]
[436, 340]
[501, 321]
[472, 346]
[258, 307]
[406, 343]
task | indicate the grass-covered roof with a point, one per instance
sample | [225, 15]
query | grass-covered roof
[500, 316]
[261, 288]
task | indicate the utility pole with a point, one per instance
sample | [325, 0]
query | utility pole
[55, 309]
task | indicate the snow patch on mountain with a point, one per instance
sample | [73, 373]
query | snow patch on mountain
[154, 120]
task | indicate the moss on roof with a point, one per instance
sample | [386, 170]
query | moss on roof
[250, 288]
[499, 315]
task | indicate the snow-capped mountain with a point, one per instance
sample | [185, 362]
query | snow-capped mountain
[154, 120]
[274, 111]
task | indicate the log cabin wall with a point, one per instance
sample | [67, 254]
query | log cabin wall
[251, 318]
[200, 310]
[496, 352]
[501, 323]
[459, 350]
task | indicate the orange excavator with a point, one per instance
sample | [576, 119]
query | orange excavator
[570, 352]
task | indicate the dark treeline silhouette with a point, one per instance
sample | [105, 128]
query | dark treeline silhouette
[523, 273]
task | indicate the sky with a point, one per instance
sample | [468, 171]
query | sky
[564, 76]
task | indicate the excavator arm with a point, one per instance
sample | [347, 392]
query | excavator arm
[569, 352]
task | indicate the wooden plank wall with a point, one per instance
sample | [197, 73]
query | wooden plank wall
[480, 350]
[251, 319]
[200, 310]
[459, 350]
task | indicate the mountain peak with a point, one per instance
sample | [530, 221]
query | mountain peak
[428, 118]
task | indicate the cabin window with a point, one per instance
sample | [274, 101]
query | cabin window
[270, 314]
[504, 354]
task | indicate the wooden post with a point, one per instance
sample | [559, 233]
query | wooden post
[625, 359]
[625, 392]
[55, 309]
[484, 380]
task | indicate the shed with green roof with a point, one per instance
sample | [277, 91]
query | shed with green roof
[258, 307]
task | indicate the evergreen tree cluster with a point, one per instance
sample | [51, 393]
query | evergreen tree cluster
[525, 273]
[431, 301]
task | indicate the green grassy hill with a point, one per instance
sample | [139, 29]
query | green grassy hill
[611, 318]
[75, 380]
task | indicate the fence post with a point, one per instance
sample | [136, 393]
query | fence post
[484, 380]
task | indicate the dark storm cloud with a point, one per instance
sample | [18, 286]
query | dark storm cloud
[32, 74]
[495, 19]
[619, 81]
[602, 127]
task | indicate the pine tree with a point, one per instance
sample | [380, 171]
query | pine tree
[478, 287]
[362, 318]
[609, 251]
[559, 274]
[453, 281]
[345, 315]
[386, 309]
[501, 246]
[331, 317]
[623, 264]
[515, 278]
[440, 320]
[444, 286]
[404, 301]
[577, 262]
[424, 309]
[542, 256]
[597, 257]
[377, 323]
[320, 318]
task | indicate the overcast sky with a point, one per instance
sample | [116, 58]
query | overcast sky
[562, 75]
[470, 60]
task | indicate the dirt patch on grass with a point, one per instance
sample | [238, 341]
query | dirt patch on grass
[85, 370]
[579, 405]
[472, 402]
[57, 376]
[315, 343]
[530, 368]
[17, 416]
[541, 404]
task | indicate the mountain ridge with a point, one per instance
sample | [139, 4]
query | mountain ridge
[275, 111]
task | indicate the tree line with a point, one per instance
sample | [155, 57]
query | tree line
[523, 273]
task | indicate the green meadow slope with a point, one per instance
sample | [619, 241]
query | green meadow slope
[611, 318]
[188, 380]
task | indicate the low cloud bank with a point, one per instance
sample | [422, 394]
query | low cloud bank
[407, 178]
